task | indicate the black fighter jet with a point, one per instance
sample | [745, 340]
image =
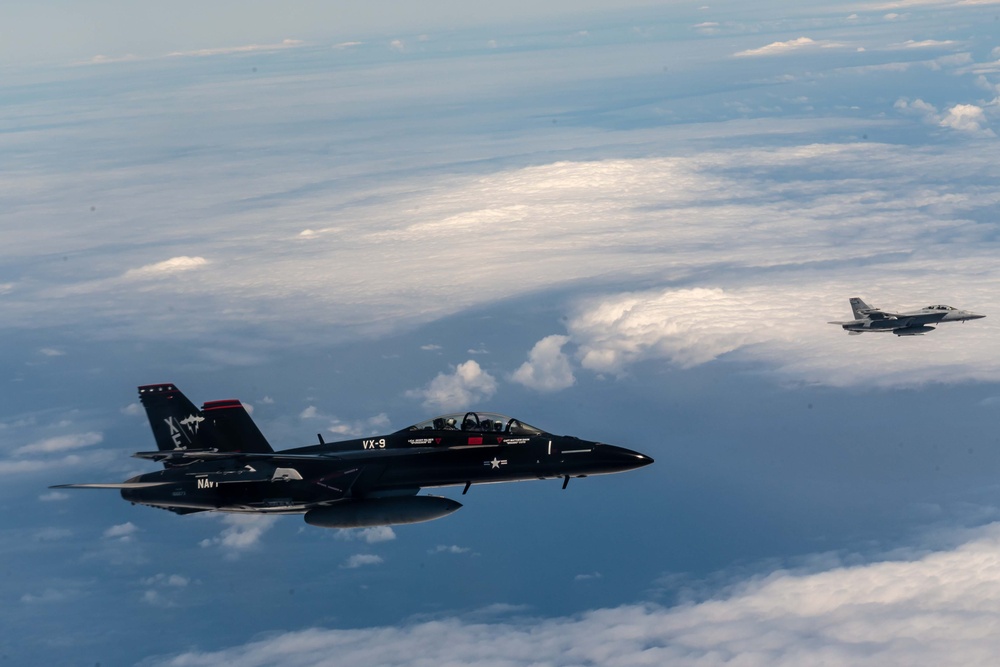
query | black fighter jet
[216, 460]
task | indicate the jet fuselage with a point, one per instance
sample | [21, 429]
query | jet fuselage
[216, 459]
[401, 463]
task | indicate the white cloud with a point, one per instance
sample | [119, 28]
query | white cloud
[910, 4]
[962, 117]
[247, 48]
[167, 580]
[53, 496]
[679, 220]
[966, 118]
[938, 609]
[60, 443]
[243, 532]
[448, 549]
[17, 467]
[928, 111]
[122, 532]
[688, 327]
[466, 385]
[372, 535]
[925, 44]
[52, 534]
[371, 426]
[361, 560]
[726, 220]
[51, 352]
[780, 48]
[132, 410]
[590, 576]
[101, 59]
[547, 368]
[25, 466]
[166, 267]
[163, 591]
[156, 599]
[786, 325]
[49, 595]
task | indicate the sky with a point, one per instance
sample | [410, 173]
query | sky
[630, 224]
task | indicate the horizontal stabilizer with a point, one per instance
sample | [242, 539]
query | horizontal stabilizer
[181, 455]
[189, 455]
[111, 485]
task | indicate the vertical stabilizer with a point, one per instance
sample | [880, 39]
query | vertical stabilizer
[860, 308]
[232, 429]
[176, 423]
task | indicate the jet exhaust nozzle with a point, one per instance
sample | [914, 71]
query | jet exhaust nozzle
[381, 512]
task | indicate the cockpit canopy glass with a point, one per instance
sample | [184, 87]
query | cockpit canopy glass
[940, 307]
[477, 422]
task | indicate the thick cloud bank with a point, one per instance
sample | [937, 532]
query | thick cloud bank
[940, 609]
[787, 326]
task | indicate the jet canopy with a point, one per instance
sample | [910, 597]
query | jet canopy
[939, 307]
[477, 422]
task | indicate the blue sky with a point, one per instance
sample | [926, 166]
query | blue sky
[630, 225]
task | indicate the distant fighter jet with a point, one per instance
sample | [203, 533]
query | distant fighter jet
[216, 459]
[913, 323]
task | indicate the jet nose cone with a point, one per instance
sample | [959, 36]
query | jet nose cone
[974, 316]
[622, 458]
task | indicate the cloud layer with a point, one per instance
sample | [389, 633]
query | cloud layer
[779, 48]
[938, 609]
[787, 234]
[786, 326]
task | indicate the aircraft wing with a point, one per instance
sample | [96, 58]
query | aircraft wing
[189, 455]
[111, 485]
